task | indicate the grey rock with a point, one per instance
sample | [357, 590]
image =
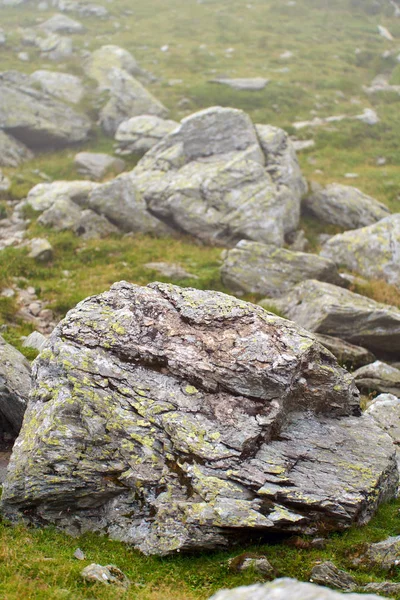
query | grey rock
[3, 38]
[62, 24]
[344, 206]
[41, 250]
[85, 9]
[138, 134]
[373, 251]
[385, 409]
[384, 588]
[35, 118]
[44, 195]
[171, 270]
[208, 178]
[24, 56]
[369, 117]
[379, 377]
[192, 420]
[384, 555]
[35, 340]
[100, 62]
[55, 47]
[79, 555]
[108, 575]
[65, 214]
[251, 84]
[15, 384]
[12, 152]
[65, 86]
[5, 182]
[324, 308]
[287, 589]
[300, 145]
[297, 241]
[250, 562]
[95, 165]
[349, 354]
[381, 84]
[328, 574]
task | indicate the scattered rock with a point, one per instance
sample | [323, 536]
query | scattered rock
[369, 117]
[379, 377]
[253, 562]
[385, 409]
[3, 38]
[96, 165]
[104, 59]
[381, 84]
[324, 308]
[166, 372]
[5, 182]
[62, 24]
[344, 206]
[250, 84]
[24, 56]
[328, 574]
[346, 353]
[44, 195]
[85, 9]
[385, 33]
[60, 85]
[12, 152]
[383, 588]
[173, 271]
[65, 214]
[383, 555]
[35, 340]
[79, 555]
[301, 145]
[372, 251]
[108, 575]
[264, 269]
[138, 134]
[41, 250]
[15, 384]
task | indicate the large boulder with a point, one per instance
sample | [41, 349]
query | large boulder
[15, 384]
[12, 152]
[100, 62]
[344, 206]
[287, 589]
[35, 118]
[373, 251]
[328, 309]
[178, 419]
[264, 269]
[138, 134]
[65, 86]
[208, 178]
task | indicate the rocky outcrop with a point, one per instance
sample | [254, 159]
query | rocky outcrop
[209, 178]
[96, 165]
[65, 86]
[177, 419]
[378, 377]
[12, 152]
[37, 119]
[348, 354]
[287, 589]
[372, 251]
[15, 384]
[344, 206]
[324, 308]
[264, 269]
[138, 134]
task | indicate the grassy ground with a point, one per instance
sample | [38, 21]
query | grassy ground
[336, 50]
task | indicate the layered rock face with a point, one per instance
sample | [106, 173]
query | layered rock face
[176, 419]
[210, 178]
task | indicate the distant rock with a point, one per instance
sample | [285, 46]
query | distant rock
[327, 573]
[381, 84]
[43, 195]
[346, 353]
[60, 85]
[62, 24]
[378, 377]
[257, 268]
[85, 9]
[54, 47]
[344, 206]
[385, 33]
[96, 165]
[35, 340]
[251, 562]
[104, 59]
[106, 575]
[15, 384]
[253, 84]
[5, 182]
[3, 38]
[171, 270]
[41, 250]
[383, 588]
[324, 308]
[35, 118]
[369, 116]
[372, 251]
[300, 145]
[138, 134]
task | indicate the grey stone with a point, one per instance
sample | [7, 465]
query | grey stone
[65, 86]
[264, 269]
[12, 152]
[251, 84]
[251, 562]
[324, 308]
[41, 250]
[344, 206]
[3, 38]
[85, 9]
[62, 24]
[384, 588]
[384, 555]
[297, 241]
[5, 182]
[369, 117]
[138, 134]
[381, 84]
[349, 354]
[208, 178]
[373, 251]
[107, 575]
[79, 555]
[15, 384]
[44, 195]
[385, 409]
[300, 145]
[328, 574]
[287, 589]
[379, 377]
[96, 165]
[178, 419]
[65, 214]
[55, 47]
[35, 118]
[104, 59]
[171, 270]
[35, 340]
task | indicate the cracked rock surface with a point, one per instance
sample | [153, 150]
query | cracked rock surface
[178, 419]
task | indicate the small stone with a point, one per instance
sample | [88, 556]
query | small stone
[384, 587]
[24, 56]
[170, 270]
[35, 308]
[328, 574]
[254, 562]
[41, 250]
[35, 340]
[106, 575]
[383, 555]
[46, 314]
[31, 290]
[79, 555]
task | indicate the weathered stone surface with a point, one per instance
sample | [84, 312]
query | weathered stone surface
[138, 134]
[344, 206]
[106, 58]
[35, 340]
[62, 24]
[373, 251]
[96, 165]
[208, 178]
[41, 250]
[328, 574]
[385, 409]
[65, 86]
[15, 384]
[35, 118]
[264, 269]
[65, 214]
[108, 575]
[384, 555]
[12, 152]
[256, 563]
[44, 195]
[250, 84]
[178, 419]
[385, 588]
[379, 377]
[346, 353]
[324, 308]
[287, 589]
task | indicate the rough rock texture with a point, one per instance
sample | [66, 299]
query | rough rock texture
[15, 384]
[379, 377]
[385, 588]
[138, 134]
[177, 419]
[12, 152]
[96, 165]
[65, 86]
[208, 178]
[328, 574]
[44, 195]
[324, 308]
[251, 84]
[256, 563]
[107, 575]
[349, 354]
[264, 269]
[385, 409]
[287, 589]
[344, 206]
[384, 555]
[373, 251]
[35, 118]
